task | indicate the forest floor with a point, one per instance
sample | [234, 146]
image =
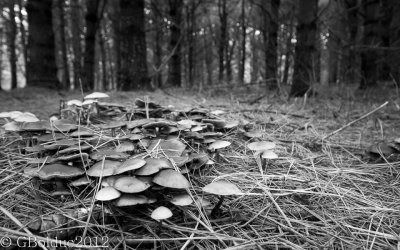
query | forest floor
[325, 193]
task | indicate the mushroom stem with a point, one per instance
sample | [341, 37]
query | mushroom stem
[217, 207]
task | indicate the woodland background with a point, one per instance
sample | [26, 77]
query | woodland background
[147, 44]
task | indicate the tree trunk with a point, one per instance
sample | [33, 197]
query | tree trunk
[41, 69]
[371, 41]
[12, 35]
[288, 52]
[242, 60]
[133, 68]
[175, 68]
[103, 55]
[394, 58]
[76, 23]
[271, 26]
[23, 34]
[305, 51]
[158, 29]
[92, 24]
[64, 56]
[191, 37]
[223, 17]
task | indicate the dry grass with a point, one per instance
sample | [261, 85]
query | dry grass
[317, 195]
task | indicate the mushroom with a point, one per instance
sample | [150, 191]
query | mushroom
[259, 148]
[92, 101]
[153, 165]
[131, 200]
[161, 213]
[181, 200]
[213, 147]
[171, 179]
[222, 189]
[56, 172]
[107, 194]
[130, 184]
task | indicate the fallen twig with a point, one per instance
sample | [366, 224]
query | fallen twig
[356, 120]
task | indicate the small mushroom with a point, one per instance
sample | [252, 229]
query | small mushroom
[130, 184]
[171, 179]
[181, 200]
[161, 213]
[215, 146]
[107, 194]
[131, 200]
[222, 189]
[259, 148]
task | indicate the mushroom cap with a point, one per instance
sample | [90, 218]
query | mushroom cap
[261, 145]
[82, 181]
[130, 184]
[181, 200]
[130, 164]
[171, 179]
[269, 154]
[161, 213]
[74, 102]
[35, 126]
[14, 114]
[96, 95]
[153, 165]
[131, 200]
[216, 122]
[108, 168]
[11, 126]
[107, 194]
[125, 146]
[231, 124]
[218, 145]
[56, 170]
[222, 188]
[170, 148]
[26, 117]
[88, 102]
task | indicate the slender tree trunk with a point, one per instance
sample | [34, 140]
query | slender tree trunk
[76, 23]
[23, 34]
[223, 17]
[191, 37]
[103, 54]
[175, 67]
[1, 55]
[243, 43]
[92, 23]
[115, 61]
[12, 35]
[157, 43]
[305, 57]
[41, 69]
[229, 57]
[64, 56]
[271, 42]
[371, 42]
[394, 58]
[133, 68]
[289, 54]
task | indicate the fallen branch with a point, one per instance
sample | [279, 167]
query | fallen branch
[356, 120]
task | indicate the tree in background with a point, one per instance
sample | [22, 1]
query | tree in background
[370, 42]
[133, 73]
[305, 57]
[175, 65]
[11, 38]
[41, 67]
[92, 24]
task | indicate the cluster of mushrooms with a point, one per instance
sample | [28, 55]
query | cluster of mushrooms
[129, 156]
